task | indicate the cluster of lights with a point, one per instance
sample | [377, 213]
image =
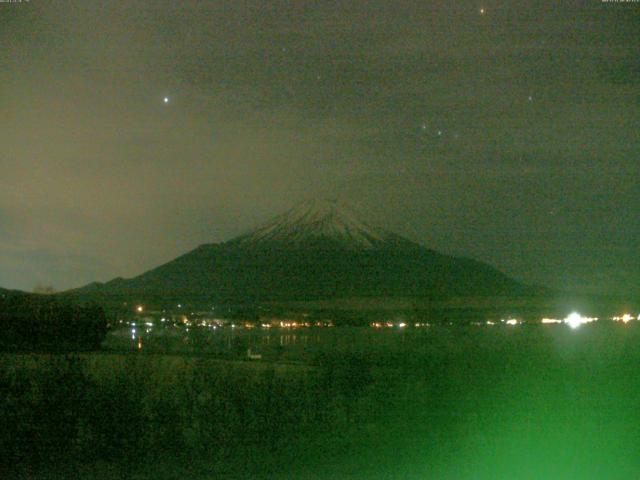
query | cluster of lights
[378, 324]
[294, 324]
[573, 320]
[399, 325]
[626, 318]
[547, 321]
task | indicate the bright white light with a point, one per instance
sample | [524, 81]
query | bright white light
[574, 320]
[511, 321]
[626, 318]
[402, 325]
[489, 322]
[139, 309]
[165, 99]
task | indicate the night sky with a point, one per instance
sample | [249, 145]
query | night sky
[504, 131]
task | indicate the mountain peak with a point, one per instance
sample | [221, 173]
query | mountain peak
[317, 222]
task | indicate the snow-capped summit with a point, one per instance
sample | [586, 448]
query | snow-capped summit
[316, 222]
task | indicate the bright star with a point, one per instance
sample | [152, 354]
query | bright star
[482, 11]
[165, 99]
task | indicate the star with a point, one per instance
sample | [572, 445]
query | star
[165, 99]
[439, 133]
[530, 98]
[482, 11]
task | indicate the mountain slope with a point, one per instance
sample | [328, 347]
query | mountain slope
[316, 250]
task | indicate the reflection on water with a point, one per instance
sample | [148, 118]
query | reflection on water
[236, 342]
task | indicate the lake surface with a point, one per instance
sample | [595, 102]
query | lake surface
[302, 344]
[474, 402]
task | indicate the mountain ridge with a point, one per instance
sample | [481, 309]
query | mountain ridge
[317, 249]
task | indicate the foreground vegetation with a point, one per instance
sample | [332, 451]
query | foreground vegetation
[453, 403]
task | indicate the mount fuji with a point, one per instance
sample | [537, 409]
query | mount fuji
[317, 250]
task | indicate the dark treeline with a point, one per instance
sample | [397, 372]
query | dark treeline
[46, 323]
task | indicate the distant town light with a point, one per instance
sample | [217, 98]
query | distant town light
[574, 320]
[627, 317]
[551, 320]
[139, 309]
